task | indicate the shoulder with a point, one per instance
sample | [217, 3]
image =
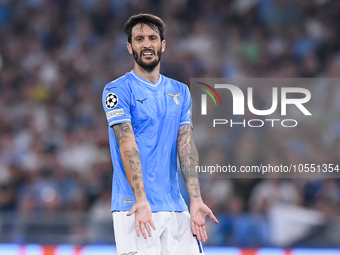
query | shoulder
[119, 85]
[119, 82]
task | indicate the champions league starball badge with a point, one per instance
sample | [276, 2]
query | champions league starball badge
[111, 101]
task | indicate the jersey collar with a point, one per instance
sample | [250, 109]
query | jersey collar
[154, 85]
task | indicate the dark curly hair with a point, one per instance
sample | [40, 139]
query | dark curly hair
[151, 20]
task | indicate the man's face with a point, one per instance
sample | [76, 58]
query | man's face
[146, 46]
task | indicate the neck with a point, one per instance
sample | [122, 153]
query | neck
[151, 77]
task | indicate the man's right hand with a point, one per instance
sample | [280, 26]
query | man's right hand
[143, 217]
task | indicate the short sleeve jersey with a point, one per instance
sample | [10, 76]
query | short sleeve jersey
[156, 111]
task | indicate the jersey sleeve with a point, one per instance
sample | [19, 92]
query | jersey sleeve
[186, 108]
[116, 103]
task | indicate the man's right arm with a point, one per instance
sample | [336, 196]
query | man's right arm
[132, 166]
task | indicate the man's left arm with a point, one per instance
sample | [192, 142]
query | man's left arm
[188, 158]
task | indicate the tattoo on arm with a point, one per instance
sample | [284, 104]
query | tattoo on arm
[138, 190]
[133, 159]
[195, 191]
[130, 156]
[188, 157]
[184, 135]
[137, 177]
[122, 132]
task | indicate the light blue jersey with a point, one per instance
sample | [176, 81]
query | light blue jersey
[155, 111]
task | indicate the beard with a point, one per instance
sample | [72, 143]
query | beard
[149, 67]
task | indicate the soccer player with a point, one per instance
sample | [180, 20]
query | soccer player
[149, 120]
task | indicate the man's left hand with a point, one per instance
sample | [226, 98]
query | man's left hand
[198, 212]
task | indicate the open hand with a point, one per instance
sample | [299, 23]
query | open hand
[198, 212]
[143, 217]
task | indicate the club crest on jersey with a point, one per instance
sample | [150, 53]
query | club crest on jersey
[174, 97]
[111, 100]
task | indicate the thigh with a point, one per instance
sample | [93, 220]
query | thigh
[178, 238]
[127, 241]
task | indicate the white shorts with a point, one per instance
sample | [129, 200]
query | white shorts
[173, 235]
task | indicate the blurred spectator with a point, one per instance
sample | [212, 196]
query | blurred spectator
[271, 191]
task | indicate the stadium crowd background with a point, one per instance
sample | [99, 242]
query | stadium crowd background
[57, 55]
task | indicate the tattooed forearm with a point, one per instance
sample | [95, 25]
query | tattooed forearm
[188, 160]
[188, 157]
[122, 132]
[133, 171]
[133, 159]
[195, 188]
[137, 177]
[138, 190]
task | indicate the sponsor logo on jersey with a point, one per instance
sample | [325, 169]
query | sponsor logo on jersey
[109, 89]
[174, 97]
[127, 201]
[114, 113]
[111, 101]
[130, 253]
[142, 100]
